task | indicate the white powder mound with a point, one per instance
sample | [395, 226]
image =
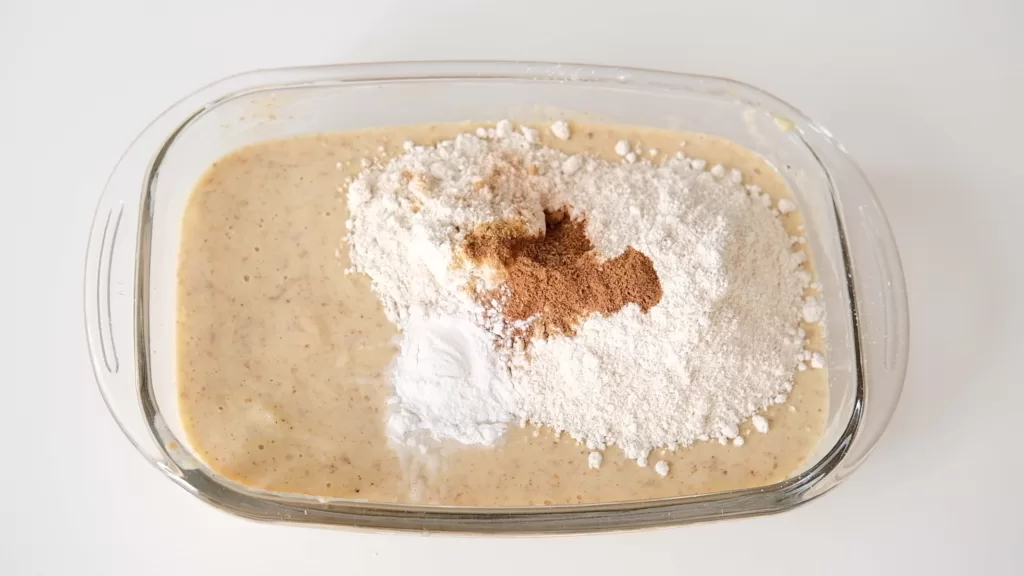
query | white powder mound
[721, 345]
[447, 385]
[716, 349]
[409, 218]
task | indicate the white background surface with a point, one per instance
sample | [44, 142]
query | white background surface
[927, 96]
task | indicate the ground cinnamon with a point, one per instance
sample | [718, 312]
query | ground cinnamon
[556, 276]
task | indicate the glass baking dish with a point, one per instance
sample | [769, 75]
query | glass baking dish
[131, 262]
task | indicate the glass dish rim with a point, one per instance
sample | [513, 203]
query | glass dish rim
[251, 503]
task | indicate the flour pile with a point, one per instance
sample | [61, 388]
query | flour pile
[720, 345]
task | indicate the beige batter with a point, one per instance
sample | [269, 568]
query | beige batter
[283, 357]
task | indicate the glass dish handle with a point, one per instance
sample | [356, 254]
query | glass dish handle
[111, 300]
[881, 302]
[113, 321]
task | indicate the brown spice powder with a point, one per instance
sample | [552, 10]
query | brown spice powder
[558, 276]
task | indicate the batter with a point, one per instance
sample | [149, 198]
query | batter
[284, 358]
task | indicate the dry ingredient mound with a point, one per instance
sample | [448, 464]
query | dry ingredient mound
[556, 277]
[638, 367]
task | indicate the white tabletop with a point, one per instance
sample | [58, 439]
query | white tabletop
[927, 96]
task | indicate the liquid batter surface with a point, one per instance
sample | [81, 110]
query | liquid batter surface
[283, 357]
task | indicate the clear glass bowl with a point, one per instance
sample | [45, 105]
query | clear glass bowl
[131, 263]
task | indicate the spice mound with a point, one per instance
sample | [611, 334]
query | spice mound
[624, 303]
[557, 277]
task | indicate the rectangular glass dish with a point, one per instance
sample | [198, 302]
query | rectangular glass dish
[132, 259]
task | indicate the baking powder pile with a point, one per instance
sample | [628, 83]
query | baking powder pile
[682, 322]
[446, 383]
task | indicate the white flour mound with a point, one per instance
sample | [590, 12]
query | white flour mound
[721, 345]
